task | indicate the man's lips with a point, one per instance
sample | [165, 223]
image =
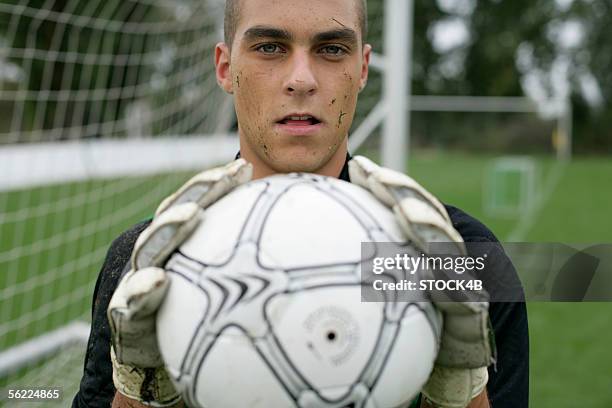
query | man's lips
[299, 124]
[304, 119]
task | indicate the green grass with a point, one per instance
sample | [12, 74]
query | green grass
[570, 360]
[571, 363]
[53, 242]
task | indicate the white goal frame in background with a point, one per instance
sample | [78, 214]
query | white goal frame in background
[394, 109]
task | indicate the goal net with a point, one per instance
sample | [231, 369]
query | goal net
[95, 97]
[105, 108]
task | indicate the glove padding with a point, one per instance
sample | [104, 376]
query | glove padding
[150, 386]
[466, 342]
[137, 363]
[422, 217]
[209, 186]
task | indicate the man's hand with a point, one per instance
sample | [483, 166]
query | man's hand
[466, 345]
[138, 371]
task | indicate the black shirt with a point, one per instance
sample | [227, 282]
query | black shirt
[508, 384]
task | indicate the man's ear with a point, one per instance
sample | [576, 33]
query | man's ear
[222, 67]
[365, 66]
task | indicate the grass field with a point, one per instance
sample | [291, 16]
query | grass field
[53, 241]
[571, 365]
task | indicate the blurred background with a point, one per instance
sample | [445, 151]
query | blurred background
[108, 106]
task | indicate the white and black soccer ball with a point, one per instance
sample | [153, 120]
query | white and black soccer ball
[264, 306]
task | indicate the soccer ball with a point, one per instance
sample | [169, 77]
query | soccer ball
[264, 306]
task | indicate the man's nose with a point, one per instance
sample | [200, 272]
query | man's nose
[301, 79]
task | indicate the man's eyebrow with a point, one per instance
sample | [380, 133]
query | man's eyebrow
[343, 34]
[259, 32]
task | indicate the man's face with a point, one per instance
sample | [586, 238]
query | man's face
[295, 69]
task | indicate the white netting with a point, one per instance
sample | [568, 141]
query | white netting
[78, 69]
[80, 73]
[66, 364]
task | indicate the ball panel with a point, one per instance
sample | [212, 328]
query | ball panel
[233, 374]
[224, 219]
[179, 320]
[293, 231]
[372, 209]
[326, 333]
[409, 361]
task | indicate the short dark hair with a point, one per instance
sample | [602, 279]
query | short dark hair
[232, 15]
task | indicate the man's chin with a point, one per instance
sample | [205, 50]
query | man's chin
[301, 162]
[298, 166]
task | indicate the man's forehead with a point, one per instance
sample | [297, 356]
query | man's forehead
[298, 17]
[259, 32]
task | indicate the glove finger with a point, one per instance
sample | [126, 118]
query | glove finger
[208, 186]
[360, 169]
[400, 187]
[144, 291]
[467, 341]
[363, 172]
[392, 187]
[131, 315]
[138, 294]
[136, 342]
[165, 234]
[423, 224]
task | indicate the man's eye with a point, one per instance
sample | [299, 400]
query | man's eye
[269, 48]
[333, 50]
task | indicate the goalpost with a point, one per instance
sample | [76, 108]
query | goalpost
[396, 103]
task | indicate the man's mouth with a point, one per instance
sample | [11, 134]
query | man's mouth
[299, 120]
[299, 124]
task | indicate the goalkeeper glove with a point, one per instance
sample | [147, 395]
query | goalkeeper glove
[466, 345]
[138, 371]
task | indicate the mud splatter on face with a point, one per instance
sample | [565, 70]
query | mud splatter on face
[333, 19]
[238, 79]
[342, 114]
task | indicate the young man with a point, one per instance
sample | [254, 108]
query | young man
[295, 69]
